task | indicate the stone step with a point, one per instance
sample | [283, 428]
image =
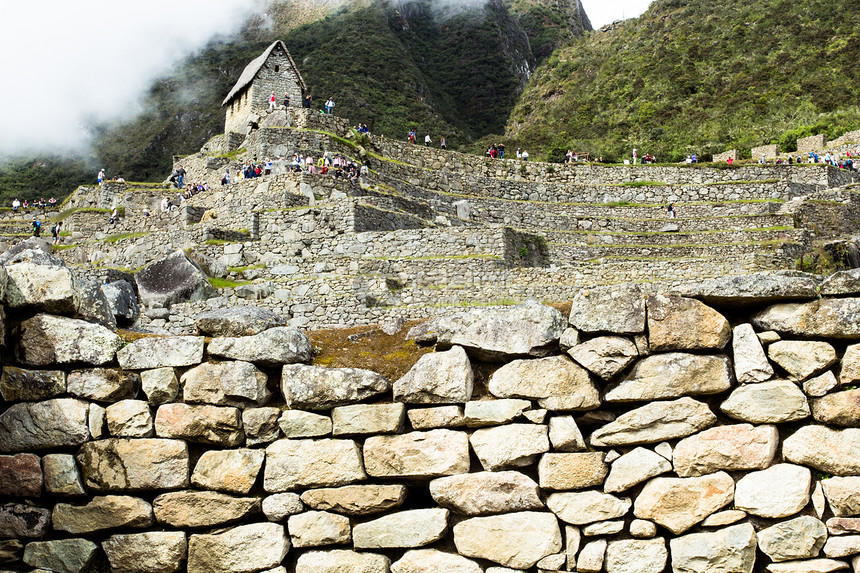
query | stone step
[562, 252]
[604, 238]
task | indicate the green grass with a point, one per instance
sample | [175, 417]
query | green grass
[226, 283]
[119, 237]
[640, 184]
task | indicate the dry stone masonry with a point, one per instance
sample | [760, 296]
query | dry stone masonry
[646, 433]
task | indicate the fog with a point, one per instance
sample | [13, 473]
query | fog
[601, 12]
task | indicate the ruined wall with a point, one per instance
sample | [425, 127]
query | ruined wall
[714, 431]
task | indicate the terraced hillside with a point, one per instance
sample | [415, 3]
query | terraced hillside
[430, 229]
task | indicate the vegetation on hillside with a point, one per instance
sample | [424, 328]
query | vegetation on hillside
[692, 76]
[38, 177]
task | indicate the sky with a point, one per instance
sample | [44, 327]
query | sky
[93, 60]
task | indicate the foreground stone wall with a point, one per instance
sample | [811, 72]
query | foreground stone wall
[714, 429]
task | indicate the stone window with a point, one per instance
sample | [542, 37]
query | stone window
[277, 68]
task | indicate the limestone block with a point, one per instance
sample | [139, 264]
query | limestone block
[494, 412]
[849, 372]
[62, 556]
[820, 385]
[484, 493]
[836, 452]
[837, 318]
[799, 538]
[723, 518]
[237, 322]
[605, 356]
[802, 358]
[103, 384]
[367, 419]
[129, 419]
[592, 557]
[225, 384]
[677, 323]
[750, 361]
[274, 347]
[843, 495]
[514, 445]
[242, 549]
[518, 540]
[279, 506]
[62, 476]
[843, 525]
[841, 283]
[122, 301]
[440, 417]
[603, 528]
[202, 424]
[641, 528]
[161, 352]
[47, 340]
[617, 309]
[102, 513]
[20, 476]
[634, 467]
[730, 550]
[414, 528]
[299, 424]
[261, 425]
[231, 471]
[315, 528]
[295, 464]
[97, 422]
[119, 464]
[838, 409]
[356, 499]
[556, 382]
[160, 385]
[20, 521]
[808, 566]
[772, 402]
[731, 448]
[564, 434]
[580, 508]
[341, 561]
[779, 491]
[636, 556]
[437, 378]
[46, 288]
[842, 546]
[172, 279]
[150, 552]
[680, 503]
[565, 471]
[655, 422]
[18, 384]
[182, 509]
[54, 423]
[434, 561]
[417, 454]
[319, 388]
[673, 375]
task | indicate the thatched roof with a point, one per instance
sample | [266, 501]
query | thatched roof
[250, 71]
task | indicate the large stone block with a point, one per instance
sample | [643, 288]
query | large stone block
[486, 493]
[779, 491]
[151, 552]
[772, 402]
[204, 424]
[173, 279]
[47, 340]
[677, 323]
[633, 468]
[833, 451]
[20, 476]
[122, 301]
[183, 509]
[103, 384]
[563, 471]
[655, 422]
[20, 521]
[129, 419]
[580, 508]
[62, 476]
[437, 378]
[802, 358]
[233, 471]
[242, 549]
[60, 422]
[729, 550]
[367, 419]
[730, 448]
[514, 445]
[616, 309]
[299, 424]
[225, 384]
[517, 540]
[556, 382]
[161, 352]
[315, 528]
[417, 454]
[843, 495]
[102, 513]
[838, 409]
[680, 503]
[356, 499]
[605, 356]
[751, 363]
[61, 556]
[18, 384]
[636, 556]
[318, 388]
[46, 288]
[237, 322]
[799, 538]
[273, 347]
[134, 465]
[295, 464]
[755, 288]
[341, 561]
[414, 528]
[434, 561]
[837, 318]
[673, 375]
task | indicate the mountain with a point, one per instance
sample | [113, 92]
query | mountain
[697, 76]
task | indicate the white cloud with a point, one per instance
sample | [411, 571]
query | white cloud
[601, 12]
[65, 63]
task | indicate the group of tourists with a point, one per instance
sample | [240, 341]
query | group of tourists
[39, 203]
[496, 151]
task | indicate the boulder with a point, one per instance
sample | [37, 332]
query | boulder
[820, 385]
[319, 388]
[33, 250]
[417, 454]
[557, 383]
[45, 288]
[341, 561]
[616, 309]
[755, 288]
[677, 323]
[841, 283]
[751, 363]
[673, 375]
[261, 425]
[802, 358]
[841, 494]
[680, 503]
[103, 384]
[772, 402]
[779, 491]
[122, 301]
[566, 471]
[62, 476]
[731, 448]
[238, 321]
[62, 556]
[514, 445]
[232, 471]
[23, 521]
[494, 412]
[799, 538]
[592, 557]
[356, 499]
[580, 508]
[838, 409]
[299, 424]
[517, 540]
[18, 384]
[315, 528]
[564, 434]
[437, 378]
[498, 335]
[202, 424]
[102, 513]
[842, 546]
[161, 352]
[655, 422]
[93, 306]
[633, 468]
[280, 506]
[183, 509]
[441, 417]
[121, 465]
[160, 385]
[605, 356]
[729, 550]
[298, 464]
[832, 451]
[434, 561]
[486, 493]
[225, 384]
[55, 423]
[47, 340]
[150, 552]
[173, 279]
[636, 556]
[129, 419]
[837, 318]
[20, 476]
[273, 347]
[414, 528]
[242, 549]
[367, 419]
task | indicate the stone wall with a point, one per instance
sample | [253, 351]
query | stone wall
[732, 154]
[647, 433]
[811, 143]
[766, 151]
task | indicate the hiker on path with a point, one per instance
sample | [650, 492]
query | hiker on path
[37, 227]
[427, 141]
[671, 210]
[55, 232]
[442, 144]
[273, 102]
[101, 176]
[286, 99]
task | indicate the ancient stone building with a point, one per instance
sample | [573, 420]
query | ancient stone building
[273, 70]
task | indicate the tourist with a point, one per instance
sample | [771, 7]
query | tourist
[365, 172]
[114, 217]
[273, 102]
[671, 210]
[442, 144]
[37, 227]
[525, 155]
[286, 99]
[519, 153]
[730, 160]
[427, 141]
[501, 149]
[15, 204]
[329, 106]
[634, 156]
[180, 176]
[307, 101]
[101, 176]
[55, 232]
[226, 179]
[268, 169]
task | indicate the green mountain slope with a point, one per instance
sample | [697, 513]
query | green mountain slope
[697, 76]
